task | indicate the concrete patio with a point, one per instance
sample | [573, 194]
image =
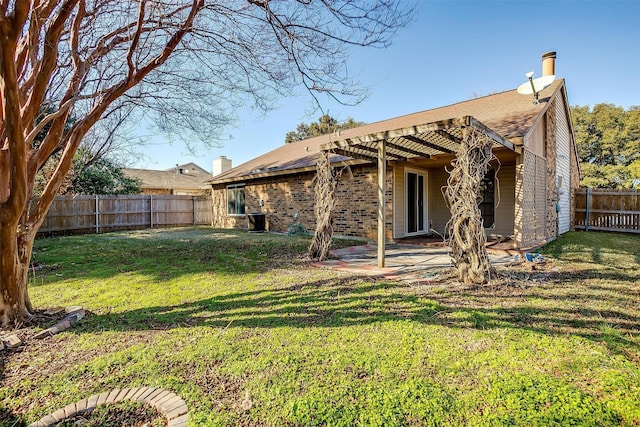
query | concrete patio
[411, 263]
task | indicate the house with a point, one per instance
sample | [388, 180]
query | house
[188, 180]
[526, 196]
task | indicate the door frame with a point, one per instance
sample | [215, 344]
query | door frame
[425, 193]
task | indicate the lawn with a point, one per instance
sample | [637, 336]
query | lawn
[221, 317]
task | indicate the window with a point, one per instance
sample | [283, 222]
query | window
[235, 200]
[486, 202]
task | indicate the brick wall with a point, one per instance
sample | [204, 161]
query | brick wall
[284, 196]
[357, 203]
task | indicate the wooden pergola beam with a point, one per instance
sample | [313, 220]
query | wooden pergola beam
[427, 144]
[448, 136]
[359, 156]
[393, 156]
[356, 150]
[407, 150]
[491, 134]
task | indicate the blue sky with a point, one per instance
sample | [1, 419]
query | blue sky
[451, 52]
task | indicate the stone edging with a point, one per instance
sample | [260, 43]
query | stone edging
[74, 314]
[165, 401]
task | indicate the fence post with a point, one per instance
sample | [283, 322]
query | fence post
[97, 216]
[587, 203]
[151, 211]
[193, 210]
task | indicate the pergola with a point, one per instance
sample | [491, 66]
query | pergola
[420, 140]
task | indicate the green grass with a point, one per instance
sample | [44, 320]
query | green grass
[218, 316]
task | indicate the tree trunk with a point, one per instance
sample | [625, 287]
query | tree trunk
[15, 255]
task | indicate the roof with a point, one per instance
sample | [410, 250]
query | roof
[507, 114]
[191, 177]
[190, 168]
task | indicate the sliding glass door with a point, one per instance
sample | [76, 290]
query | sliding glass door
[415, 191]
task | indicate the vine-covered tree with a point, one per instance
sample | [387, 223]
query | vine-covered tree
[608, 142]
[190, 64]
[325, 124]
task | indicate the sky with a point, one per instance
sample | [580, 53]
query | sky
[453, 51]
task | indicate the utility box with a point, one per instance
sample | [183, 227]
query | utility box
[256, 222]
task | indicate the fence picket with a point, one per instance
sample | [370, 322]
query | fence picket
[97, 214]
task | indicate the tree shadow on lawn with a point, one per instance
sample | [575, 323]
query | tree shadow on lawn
[8, 418]
[540, 308]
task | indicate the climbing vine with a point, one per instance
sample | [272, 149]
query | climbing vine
[465, 230]
[326, 182]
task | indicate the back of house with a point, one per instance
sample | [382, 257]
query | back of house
[525, 197]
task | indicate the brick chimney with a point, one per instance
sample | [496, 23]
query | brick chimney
[221, 164]
[549, 64]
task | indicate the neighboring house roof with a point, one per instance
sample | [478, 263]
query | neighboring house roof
[192, 177]
[191, 169]
[509, 114]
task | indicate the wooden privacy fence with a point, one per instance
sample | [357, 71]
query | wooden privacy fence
[607, 210]
[98, 214]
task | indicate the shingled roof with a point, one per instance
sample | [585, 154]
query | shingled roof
[508, 114]
[182, 177]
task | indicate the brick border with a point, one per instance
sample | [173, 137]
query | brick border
[165, 401]
[74, 314]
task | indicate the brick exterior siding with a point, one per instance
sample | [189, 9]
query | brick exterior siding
[284, 196]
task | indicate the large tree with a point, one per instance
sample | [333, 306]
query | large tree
[325, 124]
[608, 142]
[188, 63]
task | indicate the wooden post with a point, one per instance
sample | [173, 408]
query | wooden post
[587, 203]
[97, 215]
[193, 210]
[382, 173]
